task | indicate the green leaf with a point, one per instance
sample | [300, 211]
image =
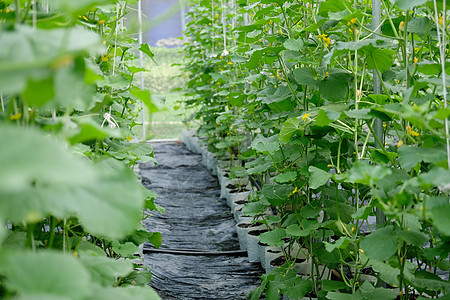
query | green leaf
[156, 239]
[288, 130]
[409, 4]
[38, 92]
[318, 177]
[298, 288]
[124, 293]
[409, 156]
[126, 249]
[332, 285]
[266, 145]
[92, 131]
[367, 291]
[380, 244]
[440, 216]
[342, 296]
[145, 97]
[74, 8]
[45, 272]
[303, 76]
[285, 177]
[105, 270]
[48, 181]
[322, 119]
[273, 237]
[380, 59]
[341, 243]
[294, 45]
[415, 238]
[144, 48]
[364, 173]
[277, 194]
[335, 86]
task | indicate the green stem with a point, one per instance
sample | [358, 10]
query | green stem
[51, 234]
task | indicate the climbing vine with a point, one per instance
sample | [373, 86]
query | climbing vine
[336, 119]
[70, 204]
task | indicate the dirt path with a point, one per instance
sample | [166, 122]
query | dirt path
[195, 218]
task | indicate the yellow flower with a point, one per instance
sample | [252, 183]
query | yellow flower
[294, 191]
[16, 116]
[230, 63]
[104, 42]
[400, 143]
[353, 20]
[281, 32]
[232, 85]
[441, 21]
[408, 129]
[413, 133]
[128, 138]
[416, 49]
[327, 41]
[84, 17]
[401, 25]
[361, 250]
[305, 117]
[101, 22]
[416, 60]
[217, 16]
[326, 74]
[322, 36]
[329, 166]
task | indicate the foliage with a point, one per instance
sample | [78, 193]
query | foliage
[70, 204]
[288, 89]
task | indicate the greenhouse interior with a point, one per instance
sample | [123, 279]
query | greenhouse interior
[224, 149]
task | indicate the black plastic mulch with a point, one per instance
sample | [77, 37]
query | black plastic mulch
[195, 218]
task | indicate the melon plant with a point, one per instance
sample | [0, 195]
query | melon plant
[337, 119]
[70, 203]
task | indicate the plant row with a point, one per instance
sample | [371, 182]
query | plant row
[70, 203]
[336, 120]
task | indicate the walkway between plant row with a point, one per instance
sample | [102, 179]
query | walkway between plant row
[195, 218]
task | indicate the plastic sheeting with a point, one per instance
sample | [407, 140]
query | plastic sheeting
[195, 218]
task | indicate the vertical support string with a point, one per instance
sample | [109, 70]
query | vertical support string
[141, 64]
[224, 27]
[378, 124]
[442, 47]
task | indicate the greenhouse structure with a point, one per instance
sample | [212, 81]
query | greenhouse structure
[276, 149]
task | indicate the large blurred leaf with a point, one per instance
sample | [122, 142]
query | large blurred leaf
[409, 4]
[362, 172]
[145, 97]
[409, 156]
[45, 272]
[38, 177]
[36, 53]
[75, 8]
[440, 215]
